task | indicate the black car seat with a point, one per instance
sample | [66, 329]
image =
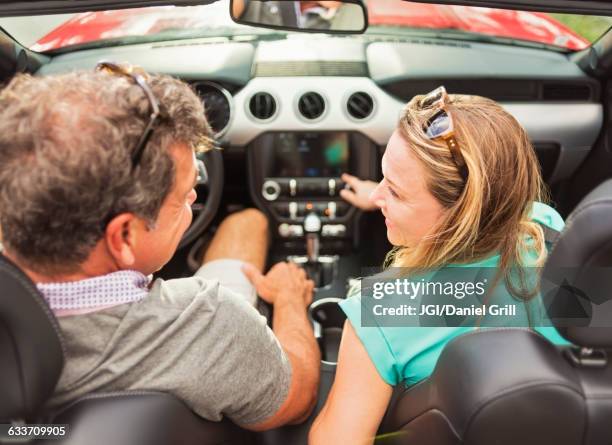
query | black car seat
[512, 386]
[31, 360]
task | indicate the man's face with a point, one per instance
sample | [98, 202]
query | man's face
[155, 247]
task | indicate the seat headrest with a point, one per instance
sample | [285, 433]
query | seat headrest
[31, 350]
[582, 259]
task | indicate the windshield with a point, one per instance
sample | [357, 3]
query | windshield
[394, 17]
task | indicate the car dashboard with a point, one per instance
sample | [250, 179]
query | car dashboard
[300, 92]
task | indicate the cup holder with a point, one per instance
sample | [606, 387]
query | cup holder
[328, 321]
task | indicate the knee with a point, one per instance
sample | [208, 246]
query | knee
[252, 220]
[255, 218]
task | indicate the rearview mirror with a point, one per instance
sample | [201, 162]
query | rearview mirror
[342, 17]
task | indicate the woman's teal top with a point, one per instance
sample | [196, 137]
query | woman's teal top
[409, 354]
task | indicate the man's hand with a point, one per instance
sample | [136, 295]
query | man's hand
[360, 195]
[283, 282]
[290, 291]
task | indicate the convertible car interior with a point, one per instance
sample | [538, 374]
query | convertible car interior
[293, 111]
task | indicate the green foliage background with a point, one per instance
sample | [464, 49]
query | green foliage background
[589, 27]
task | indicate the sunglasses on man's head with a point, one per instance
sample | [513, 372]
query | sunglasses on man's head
[440, 126]
[139, 76]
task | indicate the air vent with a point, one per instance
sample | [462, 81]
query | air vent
[311, 105]
[566, 91]
[262, 106]
[360, 105]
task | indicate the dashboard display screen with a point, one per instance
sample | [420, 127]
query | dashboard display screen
[310, 154]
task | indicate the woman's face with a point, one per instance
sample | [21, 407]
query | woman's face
[410, 210]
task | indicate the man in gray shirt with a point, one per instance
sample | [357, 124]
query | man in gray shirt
[96, 185]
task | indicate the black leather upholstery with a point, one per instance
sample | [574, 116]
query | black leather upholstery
[134, 418]
[596, 384]
[508, 386]
[512, 386]
[582, 253]
[31, 355]
[31, 360]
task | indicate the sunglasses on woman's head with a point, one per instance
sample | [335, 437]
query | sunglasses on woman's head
[440, 125]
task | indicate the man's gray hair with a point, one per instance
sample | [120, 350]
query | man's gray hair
[65, 165]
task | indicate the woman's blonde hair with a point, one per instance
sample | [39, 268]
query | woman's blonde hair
[489, 212]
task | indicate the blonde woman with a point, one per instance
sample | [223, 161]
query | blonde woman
[461, 187]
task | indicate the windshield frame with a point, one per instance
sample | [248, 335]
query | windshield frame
[234, 32]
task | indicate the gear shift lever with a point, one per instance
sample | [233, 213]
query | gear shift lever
[312, 228]
[320, 269]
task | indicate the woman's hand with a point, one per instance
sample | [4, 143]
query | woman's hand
[360, 195]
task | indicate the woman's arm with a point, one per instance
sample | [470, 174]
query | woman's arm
[357, 401]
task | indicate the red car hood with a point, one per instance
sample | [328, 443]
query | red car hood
[522, 25]
[91, 26]
[532, 26]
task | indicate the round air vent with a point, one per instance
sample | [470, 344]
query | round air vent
[311, 105]
[218, 105]
[262, 106]
[360, 105]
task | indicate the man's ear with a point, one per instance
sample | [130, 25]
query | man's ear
[120, 239]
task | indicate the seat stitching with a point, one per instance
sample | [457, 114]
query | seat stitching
[520, 388]
[437, 410]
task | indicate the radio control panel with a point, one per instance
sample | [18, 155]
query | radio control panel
[295, 175]
[275, 188]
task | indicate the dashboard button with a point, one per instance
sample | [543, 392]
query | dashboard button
[331, 210]
[292, 187]
[331, 187]
[333, 230]
[290, 230]
[270, 190]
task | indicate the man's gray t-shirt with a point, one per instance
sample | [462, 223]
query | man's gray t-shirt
[189, 337]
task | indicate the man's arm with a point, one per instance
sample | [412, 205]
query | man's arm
[357, 401]
[287, 288]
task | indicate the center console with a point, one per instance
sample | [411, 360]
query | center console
[295, 175]
[295, 178]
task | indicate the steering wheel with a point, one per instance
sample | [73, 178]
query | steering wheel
[203, 213]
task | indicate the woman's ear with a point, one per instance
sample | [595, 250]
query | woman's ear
[120, 239]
